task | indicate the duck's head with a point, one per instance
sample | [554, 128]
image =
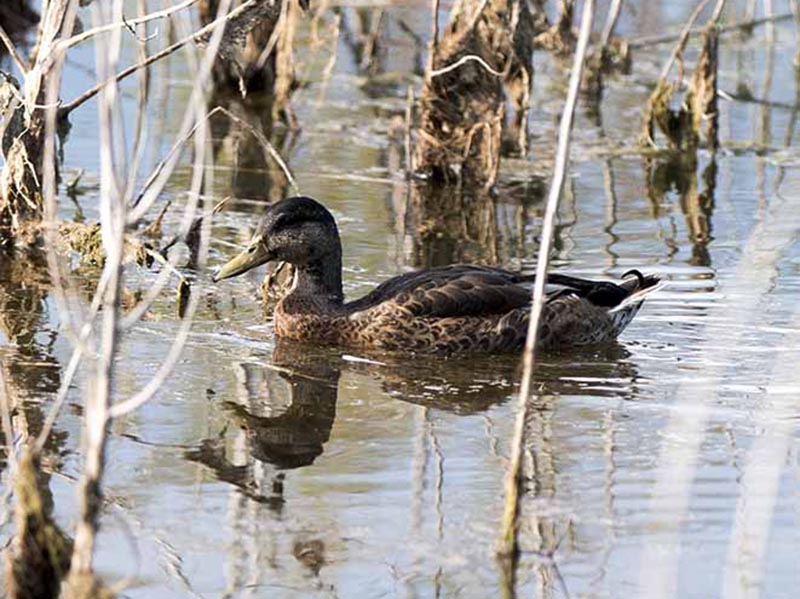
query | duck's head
[297, 230]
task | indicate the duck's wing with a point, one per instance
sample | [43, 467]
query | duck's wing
[473, 290]
[458, 290]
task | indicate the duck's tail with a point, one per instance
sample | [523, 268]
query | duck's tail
[639, 288]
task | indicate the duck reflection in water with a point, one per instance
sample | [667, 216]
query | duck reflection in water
[286, 411]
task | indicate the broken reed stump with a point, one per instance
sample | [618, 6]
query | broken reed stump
[259, 59]
[483, 57]
[39, 556]
[24, 121]
[683, 127]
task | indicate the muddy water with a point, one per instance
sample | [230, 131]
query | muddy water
[667, 464]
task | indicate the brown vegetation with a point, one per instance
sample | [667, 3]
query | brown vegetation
[482, 58]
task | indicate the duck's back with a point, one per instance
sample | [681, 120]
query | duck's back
[470, 308]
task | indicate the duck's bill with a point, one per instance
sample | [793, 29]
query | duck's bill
[254, 255]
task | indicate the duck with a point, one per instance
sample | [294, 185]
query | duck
[456, 309]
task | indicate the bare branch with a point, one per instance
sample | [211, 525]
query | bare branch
[611, 23]
[733, 27]
[198, 35]
[125, 23]
[508, 540]
[21, 63]
[682, 39]
[266, 145]
[154, 384]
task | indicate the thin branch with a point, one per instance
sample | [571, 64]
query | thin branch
[508, 541]
[266, 145]
[5, 415]
[682, 39]
[199, 34]
[112, 222]
[125, 23]
[611, 23]
[407, 137]
[461, 61]
[21, 63]
[733, 27]
[173, 154]
[154, 384]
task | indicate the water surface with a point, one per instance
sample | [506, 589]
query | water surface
[267, 469]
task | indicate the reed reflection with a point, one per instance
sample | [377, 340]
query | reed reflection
[31, 371]
[450, 225]
[255, 179]
[679, 174]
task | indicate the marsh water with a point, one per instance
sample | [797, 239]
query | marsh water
[665, 465]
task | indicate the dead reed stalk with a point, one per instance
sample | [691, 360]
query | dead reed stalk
[508, 545]
[682, 127]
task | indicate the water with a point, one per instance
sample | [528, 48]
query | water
[265, 469]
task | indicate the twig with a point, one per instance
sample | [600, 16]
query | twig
[611, 23]
[681, 439]
[154, 384]
[172, 156]
[434, 45]
[508, 540]
[274, 36]
[407, 137]
[126, 23]
[477, 15]
[461, 61]
[140, 128]
[21, 63]
[267, 146]
[112, 222]
[671, 37]
[90, 93]
[331, 64]
[764, 464]
[682, 39]
[5, 415]
[66, 381]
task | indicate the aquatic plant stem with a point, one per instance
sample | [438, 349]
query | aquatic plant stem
[21, 63]
[611, 23]
[508, 533]
[654, 40]
[112, 222]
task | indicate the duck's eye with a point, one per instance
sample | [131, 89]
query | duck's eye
[251, 249]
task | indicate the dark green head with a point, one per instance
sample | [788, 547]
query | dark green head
[298, 230]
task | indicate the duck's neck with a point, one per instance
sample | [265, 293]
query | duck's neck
[319, 282]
